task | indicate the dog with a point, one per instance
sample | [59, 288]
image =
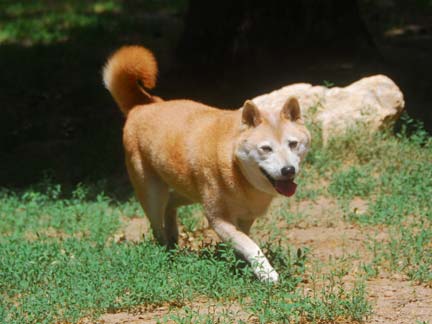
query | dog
[180, 152]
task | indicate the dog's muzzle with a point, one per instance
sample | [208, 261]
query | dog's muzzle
[285, 186]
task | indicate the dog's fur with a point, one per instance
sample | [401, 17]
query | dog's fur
[180, 152]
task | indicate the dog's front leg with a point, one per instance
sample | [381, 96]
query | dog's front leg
[247, 248]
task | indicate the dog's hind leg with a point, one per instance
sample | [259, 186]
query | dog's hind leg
[171, 227]
[152, 194]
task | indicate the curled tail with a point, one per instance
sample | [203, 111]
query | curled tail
[128, 73]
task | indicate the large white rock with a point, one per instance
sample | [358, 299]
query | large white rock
[374, 102]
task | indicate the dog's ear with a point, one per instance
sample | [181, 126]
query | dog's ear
[251, 115]
[291, 109]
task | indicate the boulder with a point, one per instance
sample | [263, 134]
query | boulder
[374, 102]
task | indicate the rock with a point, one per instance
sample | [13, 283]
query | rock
[374, 101]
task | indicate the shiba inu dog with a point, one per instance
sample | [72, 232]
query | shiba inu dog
[180, 152]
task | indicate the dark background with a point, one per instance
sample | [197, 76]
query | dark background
[58, 121]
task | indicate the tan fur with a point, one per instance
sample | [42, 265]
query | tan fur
[129, 65]
[180, 152]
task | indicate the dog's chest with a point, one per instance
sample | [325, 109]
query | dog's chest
[248, 206]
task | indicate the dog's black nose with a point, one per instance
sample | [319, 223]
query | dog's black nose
[288, 171]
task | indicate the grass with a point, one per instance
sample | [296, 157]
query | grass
[47, 22]
[393, 175]
[59, 263]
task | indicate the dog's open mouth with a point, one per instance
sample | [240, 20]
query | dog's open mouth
[284, 187]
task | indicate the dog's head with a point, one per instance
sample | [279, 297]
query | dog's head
[271, 146]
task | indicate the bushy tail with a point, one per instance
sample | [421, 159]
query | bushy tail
[128, 73]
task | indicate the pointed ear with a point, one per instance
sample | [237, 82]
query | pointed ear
[251, 115]
[291, 109]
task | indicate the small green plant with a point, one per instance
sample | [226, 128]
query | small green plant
[190, 216]
[408, 251]
[352, 182]
[328, 84]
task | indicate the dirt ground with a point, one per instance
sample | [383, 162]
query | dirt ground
[332, 242]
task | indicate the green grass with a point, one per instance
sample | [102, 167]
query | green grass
[47, 22]
[60, 263]
[393, 175]
[190, 217]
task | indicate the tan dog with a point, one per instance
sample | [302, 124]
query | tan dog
[181, 152]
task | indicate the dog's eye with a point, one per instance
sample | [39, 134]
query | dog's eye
[266, 148]
[292, 144]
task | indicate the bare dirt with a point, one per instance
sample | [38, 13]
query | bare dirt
[333, 243]
[202, 307]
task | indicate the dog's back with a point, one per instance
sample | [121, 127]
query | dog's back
[180, 140]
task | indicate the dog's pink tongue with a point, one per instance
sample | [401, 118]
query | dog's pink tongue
[286, 188]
